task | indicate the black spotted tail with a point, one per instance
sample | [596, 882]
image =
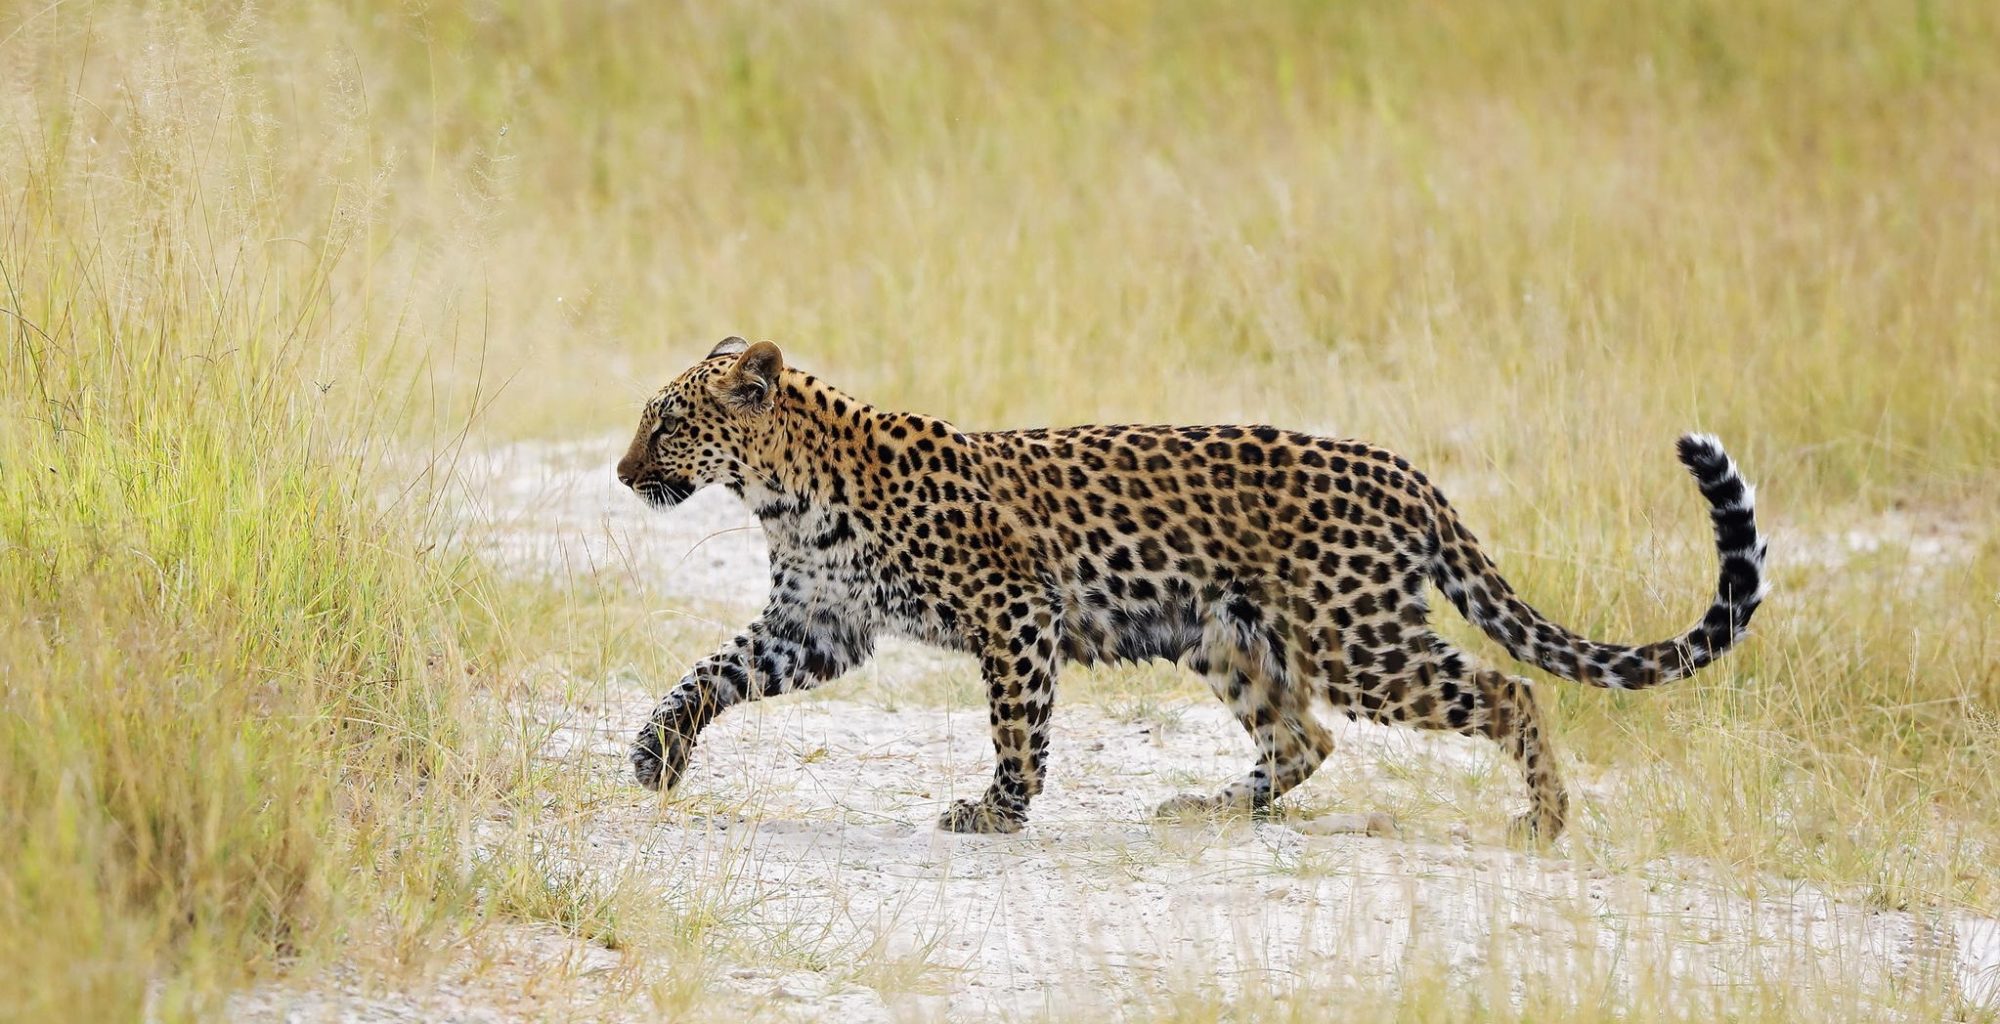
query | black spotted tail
[1474, 584]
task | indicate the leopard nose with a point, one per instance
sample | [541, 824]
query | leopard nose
[627, 473]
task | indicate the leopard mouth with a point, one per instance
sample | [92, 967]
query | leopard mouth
[663, 492]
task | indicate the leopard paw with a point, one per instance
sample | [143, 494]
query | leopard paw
[979, 816]
[659, 756]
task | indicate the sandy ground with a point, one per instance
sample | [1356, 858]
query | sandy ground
[806, 825]
[834, 847]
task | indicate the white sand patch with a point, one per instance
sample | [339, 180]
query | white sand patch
[512, 971]
[819, 816]
[1978, 940]
[1915, 547]
[554, 508]
[504, 974]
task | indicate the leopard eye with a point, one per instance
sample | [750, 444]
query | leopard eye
[668, 424]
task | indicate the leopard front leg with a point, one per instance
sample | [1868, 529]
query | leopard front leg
[773, 656]
[660, 752]
[1020, 678]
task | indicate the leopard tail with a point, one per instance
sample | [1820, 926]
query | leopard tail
[1462, 570]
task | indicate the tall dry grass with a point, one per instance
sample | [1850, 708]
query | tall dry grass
[235, 724]
[249, 252]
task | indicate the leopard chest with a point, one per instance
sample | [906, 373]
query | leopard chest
[842, 563]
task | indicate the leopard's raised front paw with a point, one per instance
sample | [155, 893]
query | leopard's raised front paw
[979, 816]
[659, 756]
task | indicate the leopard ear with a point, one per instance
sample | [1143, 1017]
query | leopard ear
[727, 347]
[751, 383]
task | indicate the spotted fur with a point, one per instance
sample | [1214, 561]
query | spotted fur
[1286, 569]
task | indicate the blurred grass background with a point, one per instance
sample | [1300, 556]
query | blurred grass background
[252, 259]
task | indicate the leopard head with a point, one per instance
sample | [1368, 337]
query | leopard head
[712, 425]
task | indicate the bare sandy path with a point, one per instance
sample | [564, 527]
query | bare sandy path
[820, 813]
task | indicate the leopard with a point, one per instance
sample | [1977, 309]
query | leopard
[1292, 572]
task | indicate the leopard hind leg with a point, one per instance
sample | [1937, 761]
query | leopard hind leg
[1248, 659]
[1445, 689]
